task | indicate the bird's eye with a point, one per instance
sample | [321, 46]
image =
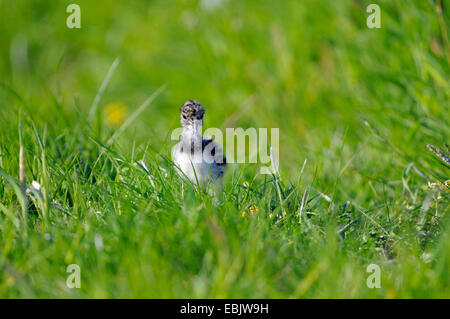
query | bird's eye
[184, 116]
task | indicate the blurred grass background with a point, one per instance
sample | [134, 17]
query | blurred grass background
[359, 104]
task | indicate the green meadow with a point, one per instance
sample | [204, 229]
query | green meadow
[86, 177]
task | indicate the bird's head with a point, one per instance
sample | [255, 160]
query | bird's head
[191, 113]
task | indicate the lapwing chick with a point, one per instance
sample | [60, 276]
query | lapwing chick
[198, 158]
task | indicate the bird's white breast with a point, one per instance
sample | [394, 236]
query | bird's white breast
[194, 166]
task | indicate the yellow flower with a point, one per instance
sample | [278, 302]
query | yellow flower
[115, 113]
[253, 209]
[390, 294]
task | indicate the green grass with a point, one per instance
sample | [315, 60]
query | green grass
[359, 104]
